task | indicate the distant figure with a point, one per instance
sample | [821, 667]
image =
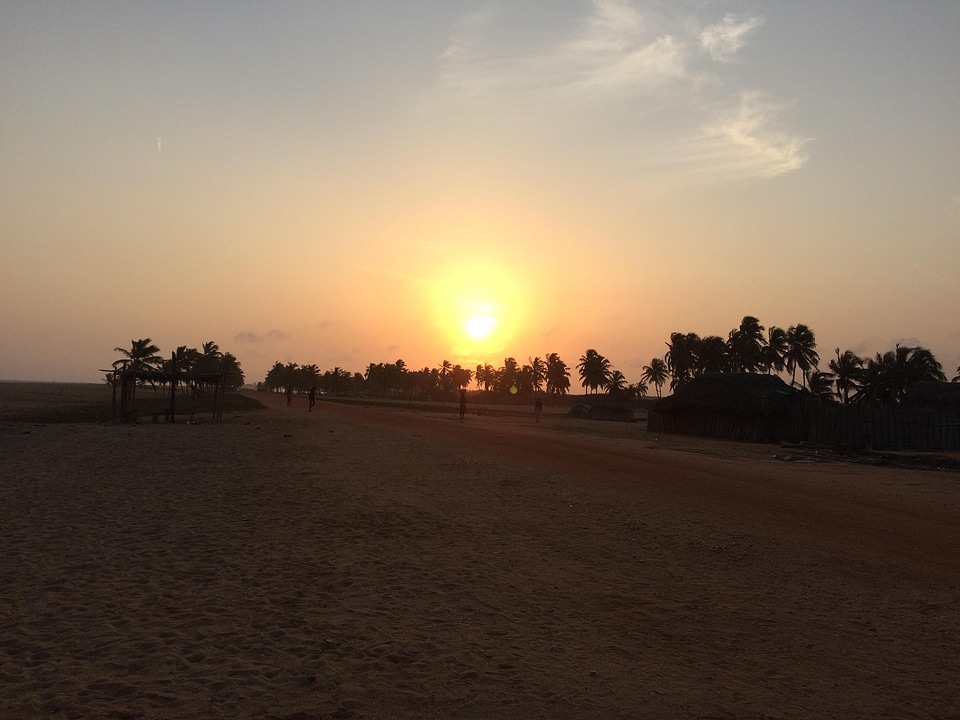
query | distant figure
[463, 403]
[313, 398]
[289, 395]
[538, 409]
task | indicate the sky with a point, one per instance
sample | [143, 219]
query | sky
[352, 182]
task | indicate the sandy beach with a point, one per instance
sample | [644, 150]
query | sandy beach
[361, 562]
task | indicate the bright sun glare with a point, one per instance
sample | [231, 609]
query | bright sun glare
[480, 314]
[479, 327]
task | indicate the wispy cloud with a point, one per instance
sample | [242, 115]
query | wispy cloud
[612, 48]
[722, 40]
[622, 58]
[745, 141]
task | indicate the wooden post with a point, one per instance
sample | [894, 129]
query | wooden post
[218, 397]
[173, 386]
[123, 399]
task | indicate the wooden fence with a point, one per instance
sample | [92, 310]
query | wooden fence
[833, 425]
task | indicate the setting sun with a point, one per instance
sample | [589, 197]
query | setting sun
[480, 327]
[478, 316]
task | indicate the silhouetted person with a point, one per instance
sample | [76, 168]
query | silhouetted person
[313, 398]
[463, 403]
[289, 395]
[538, 409]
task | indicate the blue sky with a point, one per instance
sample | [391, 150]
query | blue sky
[342, 183]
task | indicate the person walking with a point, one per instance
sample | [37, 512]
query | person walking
[313, 398]
[538, 409]
[463, 403]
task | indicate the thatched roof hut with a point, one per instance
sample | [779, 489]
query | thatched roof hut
[741, 406]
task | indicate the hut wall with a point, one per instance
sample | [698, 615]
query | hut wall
[855, 427]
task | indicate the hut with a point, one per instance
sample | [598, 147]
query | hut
[738, 406]
[933, 396]
[617, 412]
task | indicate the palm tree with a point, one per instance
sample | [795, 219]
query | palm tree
[234, 373]
[461, 376]
[508, 376]
[182, 362]
[524, 381]
[594, 370]
[446, 369]
[821, 384]
[683, 352]
[616, 383]
[274, 379]
[538, 373]
[337, 381]
[489, 376]
[801, 352]
[713, 355]
[656, 372]
[887, 378]
[307, 376]
[209, 360]
[848, 370]
[745, 346]
[142, 355]
[772, 354]
[557, 375]
[957, 378]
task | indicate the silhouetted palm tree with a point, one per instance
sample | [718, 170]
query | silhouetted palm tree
[508, 376]
[656, 372]
[209, 360]
[616, 383]
[821, 384]
[745, 346]
[557, 375]
[461, 376]
[142, 355]
[801, 352]
[774, 351]
[446, 379]
[234, 373]
[848, 370]
[594, 370]
[538, 373]
[887, 378]
[712, 356]
[683, 352]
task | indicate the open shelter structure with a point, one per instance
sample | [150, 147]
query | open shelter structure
[127, 378]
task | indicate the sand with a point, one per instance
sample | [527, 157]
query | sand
[367, 563]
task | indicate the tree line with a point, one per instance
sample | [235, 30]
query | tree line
[748, 348]
[396, 380]
[849, 379]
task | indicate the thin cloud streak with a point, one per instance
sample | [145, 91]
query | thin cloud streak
[612, 49]
[723, 39]
[620, 60]
[745, 142]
